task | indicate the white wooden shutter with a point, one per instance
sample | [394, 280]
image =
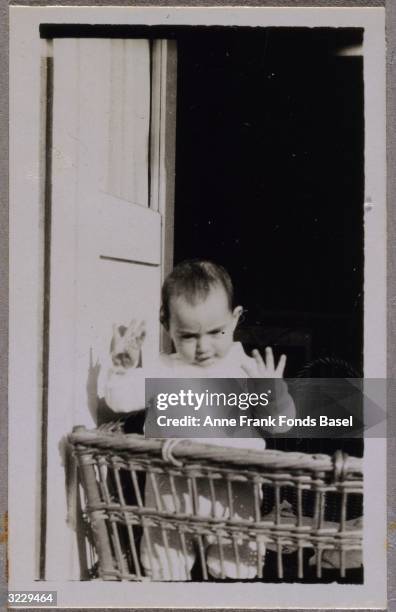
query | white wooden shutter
[105, 249]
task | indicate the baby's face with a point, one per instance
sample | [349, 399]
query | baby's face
[203, 332]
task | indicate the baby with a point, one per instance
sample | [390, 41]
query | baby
[199, 314]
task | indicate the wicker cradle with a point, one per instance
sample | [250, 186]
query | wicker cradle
[302, 503]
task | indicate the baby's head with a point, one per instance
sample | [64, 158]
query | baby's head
[198, 312]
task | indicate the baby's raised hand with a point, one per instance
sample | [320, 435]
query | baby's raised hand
[126, 344]
[265, 368]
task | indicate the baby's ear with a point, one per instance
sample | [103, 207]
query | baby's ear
[237, 313]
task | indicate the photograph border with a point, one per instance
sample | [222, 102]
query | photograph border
[391, 238]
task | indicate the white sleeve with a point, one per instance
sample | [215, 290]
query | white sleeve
[125, 389]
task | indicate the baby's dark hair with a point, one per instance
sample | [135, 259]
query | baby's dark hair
[194, 278]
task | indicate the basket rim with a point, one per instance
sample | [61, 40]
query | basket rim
[342, 464]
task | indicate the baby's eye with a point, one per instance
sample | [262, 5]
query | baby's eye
[187, 336]
[217, 332]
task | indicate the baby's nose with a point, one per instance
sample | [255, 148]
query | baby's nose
[203, 345]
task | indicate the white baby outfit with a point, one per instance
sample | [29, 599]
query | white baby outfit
[165, 554]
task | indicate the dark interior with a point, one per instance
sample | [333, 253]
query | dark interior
[270, 183]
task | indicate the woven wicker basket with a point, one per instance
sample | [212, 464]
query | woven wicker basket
[306, 507]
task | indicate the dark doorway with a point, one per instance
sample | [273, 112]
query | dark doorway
[270, 182]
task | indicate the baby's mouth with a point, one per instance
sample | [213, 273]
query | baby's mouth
[205, 361]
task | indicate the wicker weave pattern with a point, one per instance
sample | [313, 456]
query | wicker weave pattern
[291, 493]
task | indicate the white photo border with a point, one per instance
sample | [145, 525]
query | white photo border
[25, 47]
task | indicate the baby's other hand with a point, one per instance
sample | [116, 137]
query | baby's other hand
[126, 344]
[265, 368]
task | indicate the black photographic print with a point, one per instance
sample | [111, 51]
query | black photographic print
[207, 205]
